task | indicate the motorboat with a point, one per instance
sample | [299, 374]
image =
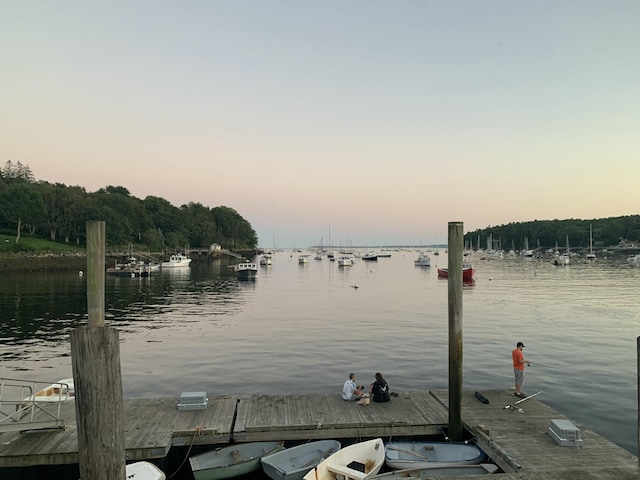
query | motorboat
[467, 272]
[345, 261]
[423, 260]
[176, 260]
[303, 259]
[61, 391]
[265, 260]
[247, 271]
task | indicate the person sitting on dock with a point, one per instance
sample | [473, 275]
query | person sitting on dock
[350, 391]
[380, 389]
[518, 368]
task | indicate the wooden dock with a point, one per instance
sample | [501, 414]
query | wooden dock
[516, 441]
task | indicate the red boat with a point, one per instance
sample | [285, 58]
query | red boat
[467, 272]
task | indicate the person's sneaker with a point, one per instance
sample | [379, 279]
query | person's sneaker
[522, 395]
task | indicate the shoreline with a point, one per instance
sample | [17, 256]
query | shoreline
[45, 262]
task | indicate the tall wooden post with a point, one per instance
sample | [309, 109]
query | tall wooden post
[95, 272]
[95, 356]
[455, 330]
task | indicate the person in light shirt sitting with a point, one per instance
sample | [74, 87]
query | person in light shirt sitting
[350, 390]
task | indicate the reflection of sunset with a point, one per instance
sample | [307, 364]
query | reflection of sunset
[304, 329]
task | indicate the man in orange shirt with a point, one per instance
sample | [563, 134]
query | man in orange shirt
[518, 368]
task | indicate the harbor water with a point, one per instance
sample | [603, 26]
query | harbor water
[303, 328]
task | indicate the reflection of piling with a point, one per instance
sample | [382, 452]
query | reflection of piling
[95, 352]
[638, 393]
[455, 330]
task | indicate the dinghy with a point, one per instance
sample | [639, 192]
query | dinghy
[422, 455]
[144, 471]
[232, 461]
[356, 462]
[450, 471]
[292, 463]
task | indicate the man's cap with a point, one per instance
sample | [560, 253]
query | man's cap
[520, 344]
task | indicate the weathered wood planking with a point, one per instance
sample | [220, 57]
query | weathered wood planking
[519, 442]
[326, 415]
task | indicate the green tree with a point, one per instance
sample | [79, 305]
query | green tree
[21, 204]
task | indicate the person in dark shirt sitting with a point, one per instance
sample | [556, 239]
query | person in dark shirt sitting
[380, 389]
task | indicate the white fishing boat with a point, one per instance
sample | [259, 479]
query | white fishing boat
[265, 260]
[177, 260]
[355, 462]
[293, 463]
[422, 455]
[423, 260]
[247, 271]
[345, 261]
[232, 461]
[303, 259]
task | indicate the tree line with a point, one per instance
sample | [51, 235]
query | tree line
[59, 213]
[545, 234]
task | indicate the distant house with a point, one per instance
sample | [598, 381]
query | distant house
[214, 248]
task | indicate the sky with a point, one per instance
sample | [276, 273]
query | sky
[363, 122]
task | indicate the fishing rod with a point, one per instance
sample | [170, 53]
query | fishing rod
[512, 406]
[533, 364]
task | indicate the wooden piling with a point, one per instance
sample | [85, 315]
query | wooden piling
[95, 358]
[455, 330]
[95, 273]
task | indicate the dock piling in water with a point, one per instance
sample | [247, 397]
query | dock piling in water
[95, 358]
[455, 329]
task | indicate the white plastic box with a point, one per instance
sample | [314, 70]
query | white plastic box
[193, 401]
[565, 433]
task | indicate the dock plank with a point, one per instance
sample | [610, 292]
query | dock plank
[517, 442]
[520, 442]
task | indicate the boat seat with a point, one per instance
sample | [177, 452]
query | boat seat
[237, 458]
[346, 471]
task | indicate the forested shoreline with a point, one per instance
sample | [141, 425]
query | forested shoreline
[58, 213]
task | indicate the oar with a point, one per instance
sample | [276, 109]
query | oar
[408, 451]
[317, 457]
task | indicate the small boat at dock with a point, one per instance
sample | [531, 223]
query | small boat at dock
[232, 461]
[293, 463]
[424, 455]
[355, 462]
[450, 471]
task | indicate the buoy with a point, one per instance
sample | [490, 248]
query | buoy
[80, 273]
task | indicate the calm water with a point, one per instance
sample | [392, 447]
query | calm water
[304, 328]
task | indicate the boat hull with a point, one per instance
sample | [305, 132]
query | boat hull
[467, 273]
[426, 455]
[370, 454]
[232, 461]
[144, 471]
[293, 463]
[456, 470]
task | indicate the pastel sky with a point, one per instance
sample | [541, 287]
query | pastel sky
[360, 122]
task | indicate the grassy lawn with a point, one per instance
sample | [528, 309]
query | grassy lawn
[34, 245]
